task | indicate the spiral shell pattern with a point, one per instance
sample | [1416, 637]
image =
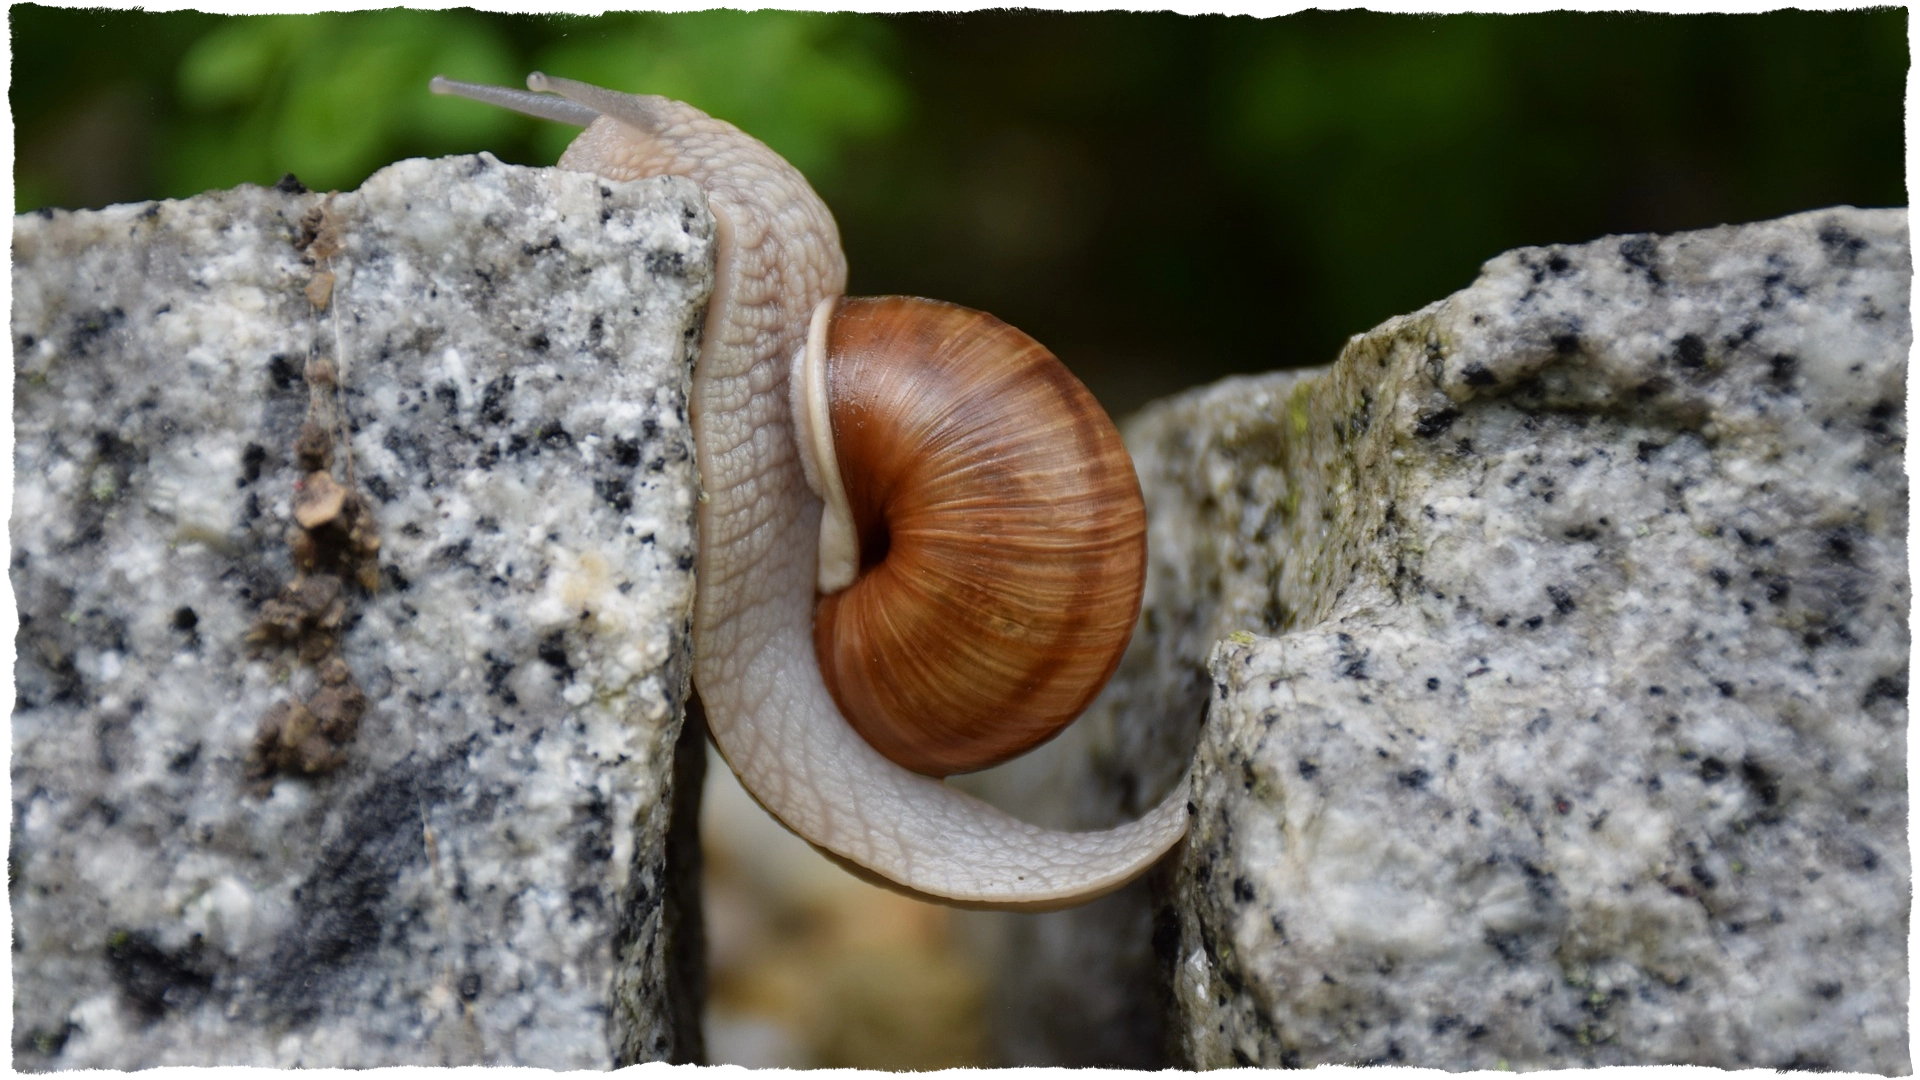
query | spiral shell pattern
[1001, 532]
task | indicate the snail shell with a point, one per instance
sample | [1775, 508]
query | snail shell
[761, 459]
[996, 524]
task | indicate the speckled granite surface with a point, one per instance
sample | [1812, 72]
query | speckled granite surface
[1588, 746]
[1557, 716]
[256, 442]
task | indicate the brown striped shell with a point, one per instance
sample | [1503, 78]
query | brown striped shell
[1001, 537]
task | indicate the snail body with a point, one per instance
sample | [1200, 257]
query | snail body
[778, 427]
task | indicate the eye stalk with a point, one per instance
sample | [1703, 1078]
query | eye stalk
[545, 106]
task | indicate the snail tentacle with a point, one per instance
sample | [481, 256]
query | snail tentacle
[767, 704]
[544, 106]
[647, 112]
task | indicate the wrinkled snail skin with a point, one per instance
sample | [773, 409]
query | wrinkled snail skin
[767, 704]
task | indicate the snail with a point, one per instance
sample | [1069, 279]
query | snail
[800, 442]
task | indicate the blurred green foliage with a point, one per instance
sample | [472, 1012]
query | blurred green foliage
[1502, 131]
[1162, 199]
[333, 97]
[322, 96]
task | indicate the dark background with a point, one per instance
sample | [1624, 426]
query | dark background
[1161, 199]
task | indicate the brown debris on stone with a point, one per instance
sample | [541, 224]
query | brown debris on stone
[318, 501]
[313, 447]
[319, 238]
[307, 606]
[333, 541]
[338, 710]
[290, 740]
[320, 290]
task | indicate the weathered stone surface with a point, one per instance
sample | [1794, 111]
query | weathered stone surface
[221, 854]
[1079, 988]
[1558, 712]
[1587, 745]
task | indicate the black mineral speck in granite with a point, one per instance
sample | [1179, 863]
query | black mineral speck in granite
[394, 578]
[1435, 422]
[155, 980]
[1880, 417]
[284, 371]
[493, 399]
[499, 670]
[593, 829]
[1653, 388]
[183, 762]
[1842, 247]
[90, 326]
[344, 904]
[615, 491]
[414, 449]
[553, 652]
[1562, 597]
[1690, 352]
[1885, 688]
[1641, 252]
[252, 457]
[1352, 660]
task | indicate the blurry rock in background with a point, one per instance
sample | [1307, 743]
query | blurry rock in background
[810, 967]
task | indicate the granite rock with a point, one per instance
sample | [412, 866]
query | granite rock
[1552, 646]
[352, 547]
[1563, 717]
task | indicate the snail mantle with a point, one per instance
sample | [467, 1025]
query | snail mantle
[353, 540]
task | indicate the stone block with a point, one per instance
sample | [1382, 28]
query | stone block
[1562, 720]
[1553, 652]
[352, 540]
